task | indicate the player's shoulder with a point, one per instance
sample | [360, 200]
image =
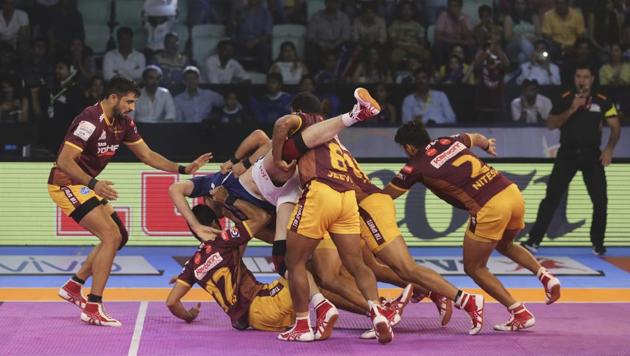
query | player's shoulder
[602, 98]
[93, 114]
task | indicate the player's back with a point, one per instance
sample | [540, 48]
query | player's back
[450, 170]
[218, 268]
[324, 163]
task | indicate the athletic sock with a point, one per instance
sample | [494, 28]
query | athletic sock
[316, 299]
[93, 298]
[78, 280]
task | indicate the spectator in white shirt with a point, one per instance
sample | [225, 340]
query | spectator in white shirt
[194, 104]
[429, 106]
[158, 20]
[531, 107]
[540, 67]
[155, 103]
[16, 28]
[221, 68]
[124, 61]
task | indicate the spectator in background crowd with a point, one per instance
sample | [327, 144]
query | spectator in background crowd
[407, 37]
[456, 72]
[66, 25]
[195, 104]
[406, 75]
[40, 16]
[605, 23]
[490, 67]
[521, 28]
[429, 106]
[289, 65]
[369, 29]
[82, 60]
[434, 9]
[222, 68]
[452, 28]
[232, 112]
[13, 103]
[531, 107]
[388, 115]
[330, 100]
[37, 68]
[540, 67]
[94, 92]
[563, 25]
[158, 20]
[155, 103]
[328, 74]
[486, 26]
[124, 61]
[327, 30]
[252, 33]
[14, 25]
[617, 72]
[372, 69]
[274, 104]
[171, 62]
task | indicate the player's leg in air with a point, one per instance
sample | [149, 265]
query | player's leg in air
[508, 208]
[104, 223]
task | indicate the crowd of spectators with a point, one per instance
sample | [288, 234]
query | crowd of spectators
[505, 49]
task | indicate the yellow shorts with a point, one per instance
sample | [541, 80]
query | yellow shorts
[322, 209]
[378, 221]
[272, 309]
[505, 211]
[74, 200]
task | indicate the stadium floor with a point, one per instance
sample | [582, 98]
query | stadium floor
[590, 319]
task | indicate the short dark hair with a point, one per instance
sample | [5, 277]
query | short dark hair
[459, 2]
[276, 76]
[306, 102]
[424, 70]
[224, 43]
[530, 82]
[205, 215]
[484, 8]
[121, 86]
[582, 66]
[412, 133]
[124, 31]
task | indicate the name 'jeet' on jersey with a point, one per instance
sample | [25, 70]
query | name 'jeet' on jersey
[452, 172]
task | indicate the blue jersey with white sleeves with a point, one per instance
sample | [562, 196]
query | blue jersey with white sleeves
[204, 184]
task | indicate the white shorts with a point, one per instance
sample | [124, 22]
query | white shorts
[289, 192]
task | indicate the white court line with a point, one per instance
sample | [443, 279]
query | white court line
[137, 330]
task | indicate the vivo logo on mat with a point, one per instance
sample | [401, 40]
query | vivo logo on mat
[61, 265]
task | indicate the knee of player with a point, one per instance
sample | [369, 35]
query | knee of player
[261, 136]
[111, 235]
[405, 270]
[471, 268]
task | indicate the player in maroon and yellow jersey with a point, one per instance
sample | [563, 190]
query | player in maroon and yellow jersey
[448, 168]
[91, 141]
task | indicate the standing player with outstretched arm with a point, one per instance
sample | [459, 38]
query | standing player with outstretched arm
[451, 171]
[91, 141]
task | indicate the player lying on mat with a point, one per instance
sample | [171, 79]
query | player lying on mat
[451, 171]
[218, 268]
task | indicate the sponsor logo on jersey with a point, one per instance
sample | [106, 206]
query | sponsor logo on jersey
[211, 262]
[85, 190]
[451, 152]
[84, 130]
[431, 152]
[103, 136]
[234, 233]
[445, 141]
[104, 149]
[407, 169]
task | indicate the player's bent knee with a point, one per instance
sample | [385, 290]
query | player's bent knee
[124, 234]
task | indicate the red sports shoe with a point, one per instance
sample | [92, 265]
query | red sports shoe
[551, 285]
[473, 304]
[521, 318]
[94, 314]
[444, 307]
[327, 316]
[381, 324]
[300, 331]
[71, 292]
[366, 107]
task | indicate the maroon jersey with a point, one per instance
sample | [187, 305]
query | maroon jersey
[452, 172]
[325, 163]
[218, 268]
[98, 138]
[363, 186]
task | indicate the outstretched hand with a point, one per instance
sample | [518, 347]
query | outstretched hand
[198, 163]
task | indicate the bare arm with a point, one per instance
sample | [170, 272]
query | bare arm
[281, 130]
[67, 163]
[157, 161]
[481, 141]
[178, 193]
[174, 304]
[256, 144]
[393, 191]
[257, 218]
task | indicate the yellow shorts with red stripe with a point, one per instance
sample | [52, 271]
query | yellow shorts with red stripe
[74, 200]
[322, 209]
[378, 221]
[505, 211]
[272, 308]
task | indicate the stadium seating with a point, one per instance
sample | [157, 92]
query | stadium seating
[257, 77]
[95, 12]
[431, 34]
[204, 41]
[312, 6]
[129, 13]
[96, 37]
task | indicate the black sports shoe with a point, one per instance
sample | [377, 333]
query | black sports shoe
[599, 250]
[530, 246]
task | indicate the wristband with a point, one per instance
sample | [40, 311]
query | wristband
[246, 163]
[92, 183]
[234, 160]
[230, 200]
[181, 169]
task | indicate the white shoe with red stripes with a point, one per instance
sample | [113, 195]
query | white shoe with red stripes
[94, 314]
[71, 292]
